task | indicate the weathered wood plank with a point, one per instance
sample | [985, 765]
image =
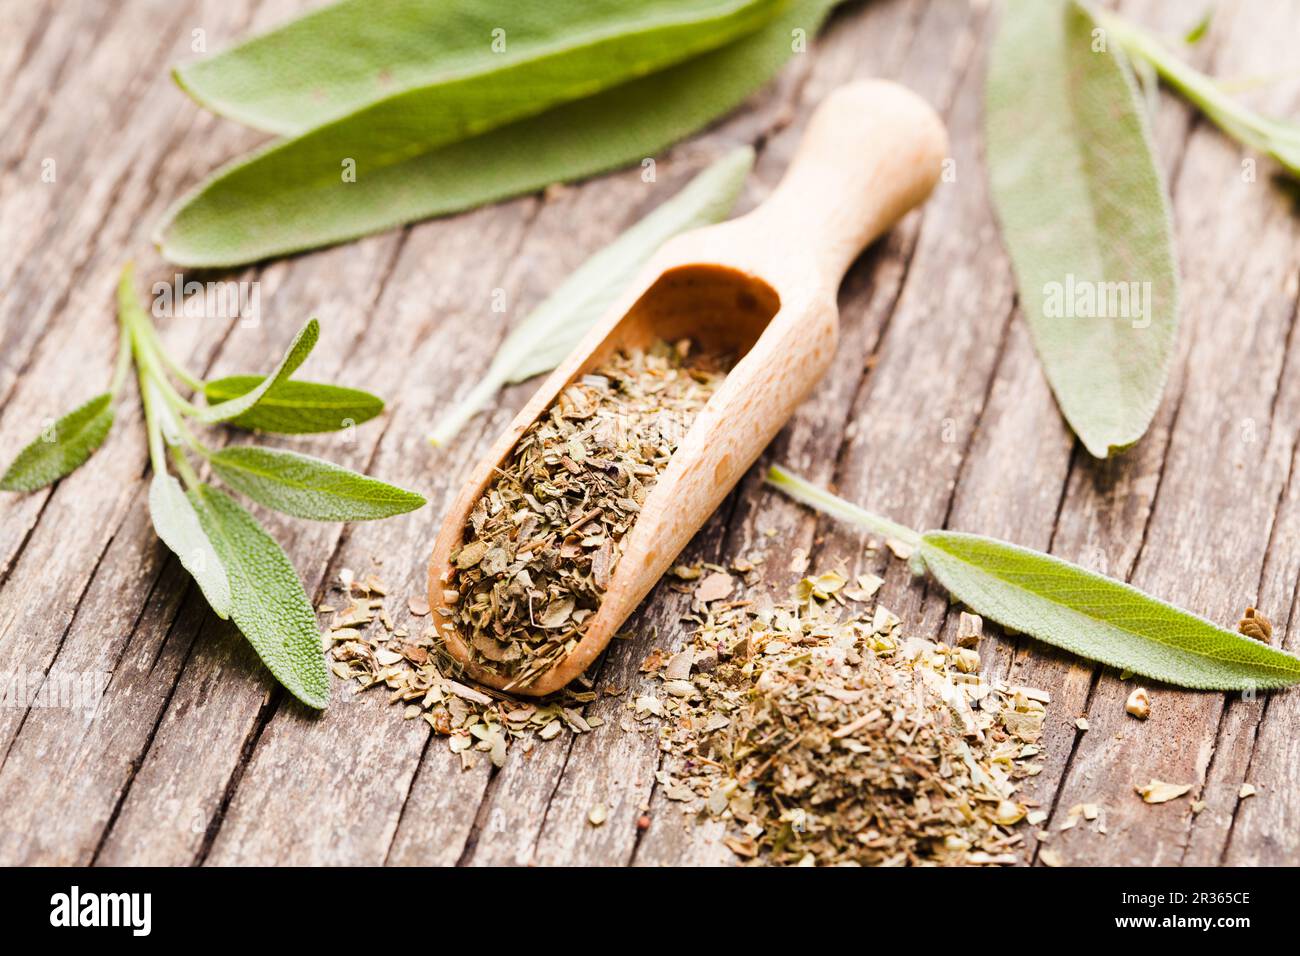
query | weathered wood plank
[1204, 544]
[1252, 744]
[222, 688]
[938, 63]
[1021, 423]
[93, 95]
[56, 273]
[194, 755]
[461, 351]
[1260, 831]
[617, 771]
[27, 28]
[520, 797]
[100, 791]
[41, 48]
[359, 754]
[67, 553]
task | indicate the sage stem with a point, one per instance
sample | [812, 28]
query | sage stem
[1278, 140]
[123, 364]
[184, 468]
[157, 451]
[804, 491]
[176, 368]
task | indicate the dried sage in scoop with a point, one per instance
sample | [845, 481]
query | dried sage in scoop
[542, 543]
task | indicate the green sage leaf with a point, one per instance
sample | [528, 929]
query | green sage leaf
[177, 523]
[299, 349]
[309, 487]
[62, 447]
[1072, 608]
[1084, 216]
[241, 214]
[440, 71]
[551, 331]
[294, 407]
[268, 603]
[1095, 617]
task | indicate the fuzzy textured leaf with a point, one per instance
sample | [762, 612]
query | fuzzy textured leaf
[453, 67]
[268, 602]
[294, 407]
[299, 349]
[242, 215]
[177, 523]
[1095, 617]
[552, 330]
[1084, 216]
[62, 448]
[308, 487]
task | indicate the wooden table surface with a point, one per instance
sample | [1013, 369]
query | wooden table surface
[935, 412]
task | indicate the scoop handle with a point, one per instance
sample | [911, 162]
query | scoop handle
[871, 151]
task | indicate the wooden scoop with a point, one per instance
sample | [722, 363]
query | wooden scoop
[761, 287]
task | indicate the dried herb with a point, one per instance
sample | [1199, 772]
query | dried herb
[1139, 703]
[1084, 216]
[826, 736]
[541, 544]
[1256, 625]
[243, 574]
[552, 330]
[1073, 608]
[410, 662]
[1158, 791]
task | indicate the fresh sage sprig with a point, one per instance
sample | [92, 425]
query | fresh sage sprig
[361, 172]
[1069, 607]
[240, 569]
[1272, 137]
[551, 331]
[1084, 216]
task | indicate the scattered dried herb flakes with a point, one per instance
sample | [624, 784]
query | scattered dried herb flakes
[1139, 703]
[1090, 812]
[1158, 791]
[823, 736]
[419, 674]
[542, 543]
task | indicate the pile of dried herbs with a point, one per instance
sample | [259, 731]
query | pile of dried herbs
[813, 726]
[541, 544]
[825, 736]
[408, 660]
